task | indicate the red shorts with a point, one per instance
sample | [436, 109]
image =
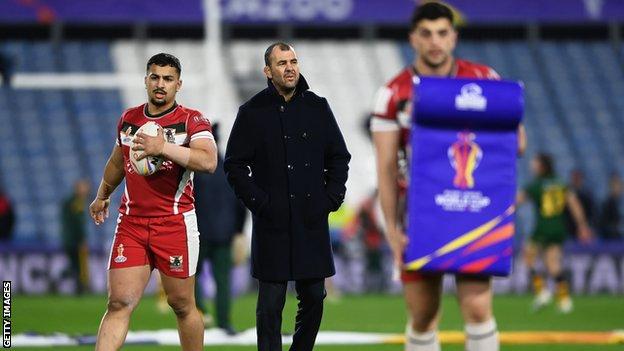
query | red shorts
[411, 276]
[416, 276]
[170, 244]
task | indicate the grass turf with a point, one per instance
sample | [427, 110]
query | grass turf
[369, 313]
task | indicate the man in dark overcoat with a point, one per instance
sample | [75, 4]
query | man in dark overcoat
[287, 161]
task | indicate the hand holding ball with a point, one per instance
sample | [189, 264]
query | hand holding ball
[146, 148]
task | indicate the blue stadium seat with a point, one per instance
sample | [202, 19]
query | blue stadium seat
[44, 56]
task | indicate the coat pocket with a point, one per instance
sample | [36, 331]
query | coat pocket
[264, 217]
[317, 210]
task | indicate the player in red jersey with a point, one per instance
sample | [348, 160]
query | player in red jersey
[433, 37]
[156, 227]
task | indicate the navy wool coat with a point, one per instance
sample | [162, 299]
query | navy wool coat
[288, 163]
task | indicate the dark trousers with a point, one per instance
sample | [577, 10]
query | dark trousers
[77, 269]
[220, 257]
[271, 299]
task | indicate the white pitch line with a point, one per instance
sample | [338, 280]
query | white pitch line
[21, 340]
[212, 337]
[217, 337]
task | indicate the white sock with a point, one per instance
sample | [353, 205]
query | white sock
[482, 336]
[415, 341]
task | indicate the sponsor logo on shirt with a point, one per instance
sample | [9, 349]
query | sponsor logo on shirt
[200, 119]
[170, 135]
[126, 136]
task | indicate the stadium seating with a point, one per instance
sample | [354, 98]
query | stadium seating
[53, 136]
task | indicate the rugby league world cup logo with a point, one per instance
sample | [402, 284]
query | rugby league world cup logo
[465, 156]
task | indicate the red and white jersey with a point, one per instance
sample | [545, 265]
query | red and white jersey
[392, 108]
[169, 191]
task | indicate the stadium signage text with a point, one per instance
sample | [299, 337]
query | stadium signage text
[282, 10]
[42, 273]
[311, 11]
[461, 201]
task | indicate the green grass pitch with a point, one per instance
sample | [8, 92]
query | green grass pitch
[368, 313]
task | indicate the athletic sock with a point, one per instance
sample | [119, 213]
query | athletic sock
[415, 341]
[482, 336]
[538, 282]
[563, 289]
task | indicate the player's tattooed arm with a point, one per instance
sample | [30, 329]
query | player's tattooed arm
[113, 175]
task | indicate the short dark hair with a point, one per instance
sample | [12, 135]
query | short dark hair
[267, 53]
[547, 163]
[430, 10]
[163, 60]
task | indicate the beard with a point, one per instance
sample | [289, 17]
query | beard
[286, 87]
[435, 64]
[158, 103]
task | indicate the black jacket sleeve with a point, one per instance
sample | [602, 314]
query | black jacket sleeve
[336, 162]
[238, 165]
[240, 216]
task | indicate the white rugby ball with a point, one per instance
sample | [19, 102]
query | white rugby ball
[150, 164]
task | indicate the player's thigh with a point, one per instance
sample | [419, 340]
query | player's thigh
[474, 294]
[180, 291]
[422, 297]
[553, 255]
[126, 286]
[128, 267]
[531, 252]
